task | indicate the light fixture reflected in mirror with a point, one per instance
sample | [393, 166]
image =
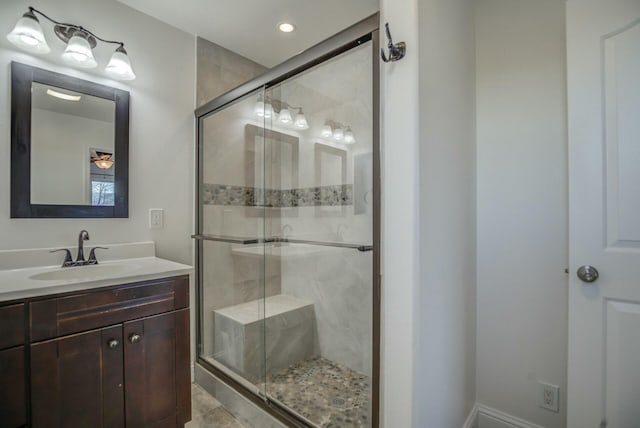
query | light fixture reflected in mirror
[28, 36]
[103, 160]
[349, 138]
[301, 121]
[285, 116]
[62, 96]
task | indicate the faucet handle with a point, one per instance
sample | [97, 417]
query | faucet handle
[68, 260]
[92, 255]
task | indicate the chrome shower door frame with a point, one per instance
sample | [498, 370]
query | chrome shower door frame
[361, 32]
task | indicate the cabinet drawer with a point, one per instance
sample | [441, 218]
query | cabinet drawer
[12, 325]
[81, 312]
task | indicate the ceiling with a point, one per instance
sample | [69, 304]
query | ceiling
[87, 106]
[250, 27]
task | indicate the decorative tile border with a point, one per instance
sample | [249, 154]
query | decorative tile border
[222, 194]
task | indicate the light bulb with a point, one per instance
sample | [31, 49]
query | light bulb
[338, 134]
[349, 138]
[119, 66]
[28, 36]
[285, 116]
[326, 131]
[301, 121]
[79, 52]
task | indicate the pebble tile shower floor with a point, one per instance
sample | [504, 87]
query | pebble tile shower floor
[327, 393]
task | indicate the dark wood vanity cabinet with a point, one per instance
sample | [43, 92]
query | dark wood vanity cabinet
[13, 407]
[116, 357]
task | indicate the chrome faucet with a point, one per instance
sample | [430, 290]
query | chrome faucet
[83, 236]
[80, 261]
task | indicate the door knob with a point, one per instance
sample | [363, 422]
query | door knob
[588, 273]
[113, 343]
[134, 338]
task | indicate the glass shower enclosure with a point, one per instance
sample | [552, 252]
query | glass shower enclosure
[287, 234]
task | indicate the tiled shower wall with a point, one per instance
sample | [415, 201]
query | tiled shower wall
[337, 281]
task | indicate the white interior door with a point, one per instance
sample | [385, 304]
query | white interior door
[603, 51]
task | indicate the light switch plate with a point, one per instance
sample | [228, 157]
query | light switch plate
[156, 218]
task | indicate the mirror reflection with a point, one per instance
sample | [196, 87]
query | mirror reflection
[73, 159]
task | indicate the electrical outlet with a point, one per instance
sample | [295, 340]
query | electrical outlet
[156, 218]
[549, 396]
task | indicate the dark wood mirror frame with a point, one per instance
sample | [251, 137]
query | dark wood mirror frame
[22, 77]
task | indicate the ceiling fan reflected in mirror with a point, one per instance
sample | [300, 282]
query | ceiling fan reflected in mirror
[103, 160]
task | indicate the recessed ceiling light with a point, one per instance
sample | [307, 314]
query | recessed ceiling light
[62, 96]
[285, 27]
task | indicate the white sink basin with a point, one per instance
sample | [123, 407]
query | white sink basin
[85, 273]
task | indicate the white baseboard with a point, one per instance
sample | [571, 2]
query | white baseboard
[472, 419]
[482, 416]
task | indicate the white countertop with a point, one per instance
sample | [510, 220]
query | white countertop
[23, 283]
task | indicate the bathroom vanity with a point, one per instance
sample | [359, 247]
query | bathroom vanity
[90, 353]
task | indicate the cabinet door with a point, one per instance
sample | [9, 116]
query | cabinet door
[77, 381]
[12, 388]
[156, 361]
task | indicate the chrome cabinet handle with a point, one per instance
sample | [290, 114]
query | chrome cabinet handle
[588, 273]
[134, 338]
[113, 343]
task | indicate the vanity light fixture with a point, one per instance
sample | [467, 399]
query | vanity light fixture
[28, 36]
[326, 131]
[338, 134]
[286, 27]
[301, 120]
[66, 97]
[349, 138]
[285, 116]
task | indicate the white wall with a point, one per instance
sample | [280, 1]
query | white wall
[161, 131]
[522, 205]
[400, 166]
[446, 317]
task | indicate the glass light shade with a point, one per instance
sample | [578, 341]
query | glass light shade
[349, 138]
[79, 53]
[326, 131]
[104, 163]
[268, 110]
[258, 109]
[285, 116]
[28, 36]
[119, 66]
[301, 121]
[338, 134]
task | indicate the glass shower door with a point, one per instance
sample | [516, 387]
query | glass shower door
[319, 212]
[231, 242]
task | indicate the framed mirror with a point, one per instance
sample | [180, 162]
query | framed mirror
[271, 164]
[69, 146]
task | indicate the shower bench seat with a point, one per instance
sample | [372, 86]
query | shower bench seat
[289, 323]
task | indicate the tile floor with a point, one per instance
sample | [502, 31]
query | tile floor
[325, 392]
[207, 412]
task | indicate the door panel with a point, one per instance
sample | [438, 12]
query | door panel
[152, 367]
[13, 412]
[622, 374]
[603, 60]
[74, 378]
